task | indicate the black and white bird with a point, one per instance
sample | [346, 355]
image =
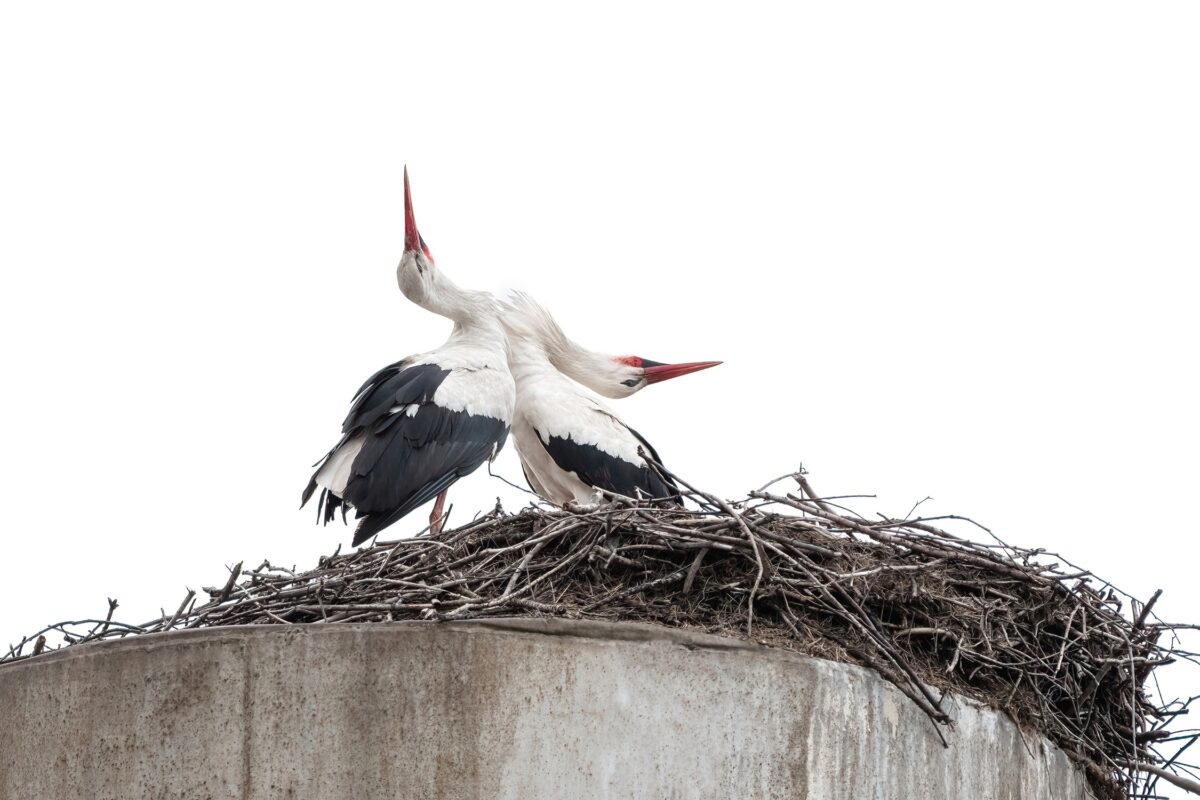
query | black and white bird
[417, 426]
[573, 448]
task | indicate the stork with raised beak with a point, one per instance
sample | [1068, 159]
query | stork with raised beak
[417, 426]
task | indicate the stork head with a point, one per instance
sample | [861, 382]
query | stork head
[626, 375]
[416, 273]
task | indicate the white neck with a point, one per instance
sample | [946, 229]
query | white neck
[474, 313]
[527, 360]
[583, 365]
[580, 364]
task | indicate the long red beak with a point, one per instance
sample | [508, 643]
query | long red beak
[412, 239]
[663, 372]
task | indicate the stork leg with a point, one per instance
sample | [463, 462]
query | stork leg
[435, 516]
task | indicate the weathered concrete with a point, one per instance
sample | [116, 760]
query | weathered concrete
[509, 709]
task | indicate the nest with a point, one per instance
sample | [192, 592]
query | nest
[1062, 653]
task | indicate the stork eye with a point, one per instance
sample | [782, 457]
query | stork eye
[632, 382]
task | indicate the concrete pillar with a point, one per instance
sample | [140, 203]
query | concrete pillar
[519, 708]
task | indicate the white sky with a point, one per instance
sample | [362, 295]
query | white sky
[944, 249]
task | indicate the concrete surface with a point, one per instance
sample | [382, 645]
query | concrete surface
[503, 709]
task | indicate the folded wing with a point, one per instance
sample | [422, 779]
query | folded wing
[400, 449]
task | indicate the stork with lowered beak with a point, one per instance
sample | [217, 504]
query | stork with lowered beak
[573, 448]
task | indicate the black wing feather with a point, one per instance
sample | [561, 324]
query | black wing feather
[609, 473]
[404, 475]
[405, 459]
[394, 385]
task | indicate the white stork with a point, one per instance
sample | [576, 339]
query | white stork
[417, 426]
[572, 447]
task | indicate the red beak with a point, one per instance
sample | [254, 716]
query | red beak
[663, 372]
[412, 239]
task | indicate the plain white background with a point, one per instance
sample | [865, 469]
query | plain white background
[944, 249]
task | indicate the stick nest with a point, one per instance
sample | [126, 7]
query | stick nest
[1047, 643]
